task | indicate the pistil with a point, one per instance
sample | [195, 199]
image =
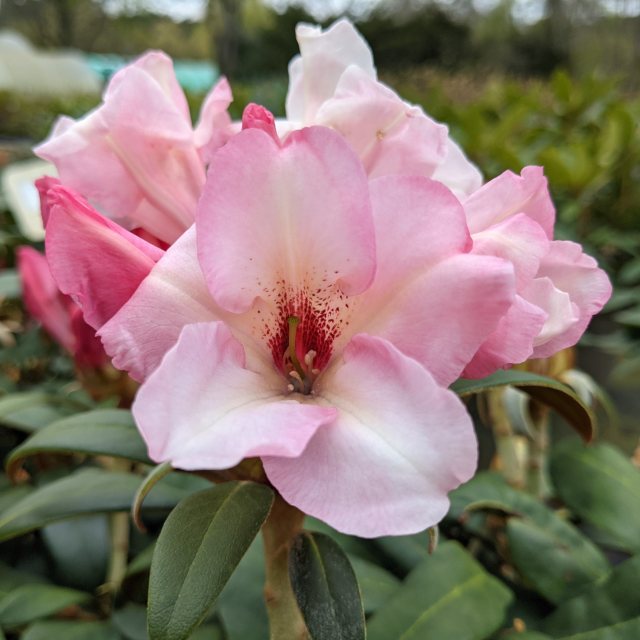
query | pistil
[300, 377]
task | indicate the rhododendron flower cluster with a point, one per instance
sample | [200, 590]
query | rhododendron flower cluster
[310, 301]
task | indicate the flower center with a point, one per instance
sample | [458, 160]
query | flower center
[300, 330]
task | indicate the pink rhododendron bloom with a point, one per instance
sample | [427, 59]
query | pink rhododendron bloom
[137, 157]
[303, 321]
[333, 82]
[60, 317]
[559, 288]
[108, 262]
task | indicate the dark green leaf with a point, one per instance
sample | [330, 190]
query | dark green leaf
[546, 390]
[326, 588]
[241, 605]
[200, 545]
[109, 432]
[83, 492]
[601, 486]
[449, 595]
[571, 561]
[33, 410]
[526, 635]
[405, 551]
[62, 630]
[610, 602]
[30, 602]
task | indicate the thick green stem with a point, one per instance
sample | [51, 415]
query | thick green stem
[282, 526]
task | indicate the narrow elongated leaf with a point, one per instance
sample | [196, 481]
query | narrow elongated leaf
[155, 475]
[571, 561]
[628, 630]
[405, 551]
[33, 410]
[109, 432]
[85, 491]
[326, 589]
[80, 630]
[611, 601]
[546, 390]
[449, 595]
[200, 545]
[30, 602]
[602, 487]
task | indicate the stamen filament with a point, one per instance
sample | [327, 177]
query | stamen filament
[294, 321]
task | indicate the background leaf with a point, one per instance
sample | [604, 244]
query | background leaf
[110, 432]
[449, 595]
[602, 487]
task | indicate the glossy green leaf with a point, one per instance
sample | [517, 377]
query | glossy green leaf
[376, 584]
[200, 545]
[109, 432]
[30, 411]
[546, 390]
[326, 588]
[83, 492]
[602, 487]
[613, 600]
[30, 602]
[571, 561]
[526, 635]
[63, 630]
[628, 630]
[449, 595]
[241, 606]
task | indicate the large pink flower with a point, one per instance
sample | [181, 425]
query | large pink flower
[137, 157]
[333, 83]
[314, 319]
[560, 288]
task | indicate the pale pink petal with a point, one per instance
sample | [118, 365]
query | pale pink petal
[108, 262]
[518, 239]
[587, 286]
[433, 302]
[390, 136]
[219, 412]
[511, 342]
[324, 55]
[297, 213]
[214, 125]
[42, 298]
[134, 157]
[457, 172]
[173, 295]
[562, 313]
[158, 66]
[400, 443]
[509, 194]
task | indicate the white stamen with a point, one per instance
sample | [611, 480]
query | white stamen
[308, 359]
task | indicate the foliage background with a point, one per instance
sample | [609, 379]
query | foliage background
[554, 558]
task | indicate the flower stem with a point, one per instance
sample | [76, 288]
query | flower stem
[282, 525]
